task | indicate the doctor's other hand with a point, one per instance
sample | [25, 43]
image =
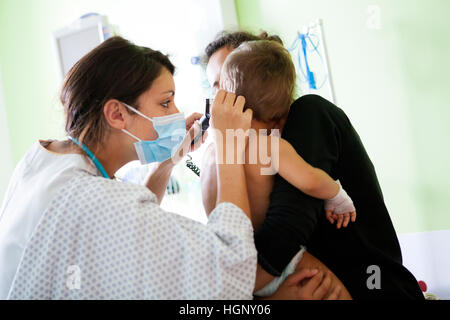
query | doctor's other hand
[228, 114]
[307, 284]
[192, 131]
[186, 145]
[191, 120]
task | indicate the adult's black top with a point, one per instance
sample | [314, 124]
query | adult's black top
[323, 135]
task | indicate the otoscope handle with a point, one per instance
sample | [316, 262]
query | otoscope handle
[204, 122]
[204, 125]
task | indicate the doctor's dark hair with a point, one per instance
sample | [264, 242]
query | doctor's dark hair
[116, 69]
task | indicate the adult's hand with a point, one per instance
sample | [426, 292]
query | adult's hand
[307, 284]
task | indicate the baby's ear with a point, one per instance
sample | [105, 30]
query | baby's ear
[284, 119]
[280, 123]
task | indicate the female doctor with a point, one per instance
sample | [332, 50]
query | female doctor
[69, 231]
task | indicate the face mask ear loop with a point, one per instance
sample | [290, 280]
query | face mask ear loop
[137, 111]
[133, 136]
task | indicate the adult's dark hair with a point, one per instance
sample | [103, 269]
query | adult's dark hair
[116, 69]
[234, 40]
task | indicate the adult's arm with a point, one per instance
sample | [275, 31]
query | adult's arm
[292, 215]
[158, 178]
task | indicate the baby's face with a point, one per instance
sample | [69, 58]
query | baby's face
[214, 67]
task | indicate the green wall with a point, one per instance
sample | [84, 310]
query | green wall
[30, 79]
[393, 82]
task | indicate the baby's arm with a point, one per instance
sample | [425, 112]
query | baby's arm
[315, 183]
[311, 181]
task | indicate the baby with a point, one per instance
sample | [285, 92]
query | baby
[263, 72]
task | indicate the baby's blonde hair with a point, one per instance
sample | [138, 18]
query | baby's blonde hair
[263, 72]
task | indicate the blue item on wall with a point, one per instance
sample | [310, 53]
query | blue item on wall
[309, 74]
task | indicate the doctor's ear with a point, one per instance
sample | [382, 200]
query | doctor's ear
[115, 114]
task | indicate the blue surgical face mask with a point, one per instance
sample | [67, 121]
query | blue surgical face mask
[171, 133]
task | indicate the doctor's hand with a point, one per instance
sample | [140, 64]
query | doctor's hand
[228, 114]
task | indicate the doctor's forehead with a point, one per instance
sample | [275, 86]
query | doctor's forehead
[215, 64]
[163, 86]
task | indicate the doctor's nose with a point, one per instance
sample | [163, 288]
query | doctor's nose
[176, 110]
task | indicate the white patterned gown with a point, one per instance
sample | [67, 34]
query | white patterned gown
[104, 239]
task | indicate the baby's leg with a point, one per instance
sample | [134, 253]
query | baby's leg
[311, 262]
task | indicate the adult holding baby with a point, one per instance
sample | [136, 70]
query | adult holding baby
[365, 255]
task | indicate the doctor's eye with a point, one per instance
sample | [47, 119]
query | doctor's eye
[166, 104]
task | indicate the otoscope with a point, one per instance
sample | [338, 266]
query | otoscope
[204, 125]
[204, 122]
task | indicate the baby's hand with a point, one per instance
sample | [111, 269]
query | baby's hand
[342, 219]
[340, 209]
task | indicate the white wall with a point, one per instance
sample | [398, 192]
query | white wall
[181, 29]
[6, 164]
[426, 255]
